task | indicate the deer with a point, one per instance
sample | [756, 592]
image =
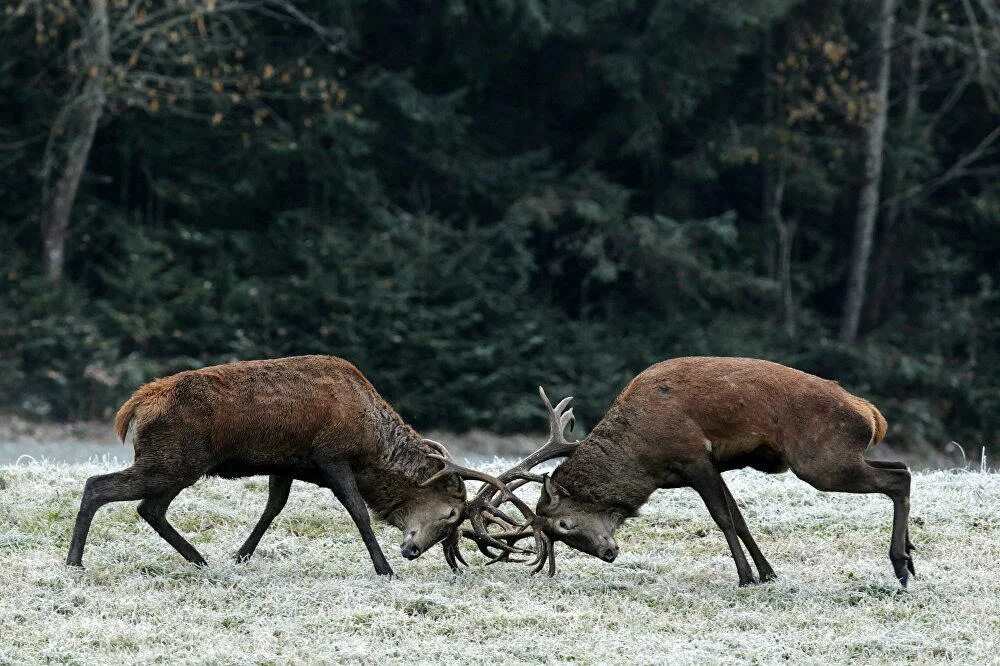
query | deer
[309, 418]
[682, 423]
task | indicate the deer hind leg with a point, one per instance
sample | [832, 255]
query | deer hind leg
[890, 464]
[154, 511]
[708, 483]
[862, 477]
[129, 484]
[278, 488]
[764, 570]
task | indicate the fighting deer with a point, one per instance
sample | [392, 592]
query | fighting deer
[681, 423]
[312, 418]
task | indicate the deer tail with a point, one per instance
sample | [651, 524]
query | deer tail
[880, 425]
[125, 415]
[149, 398]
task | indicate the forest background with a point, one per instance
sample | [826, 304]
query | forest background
[468, 199]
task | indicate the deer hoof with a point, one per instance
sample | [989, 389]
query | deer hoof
[903, 566]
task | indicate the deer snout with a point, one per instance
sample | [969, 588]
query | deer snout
[408, 548]
[608, 550]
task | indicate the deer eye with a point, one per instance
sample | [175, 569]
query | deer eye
[563, 525]
[452, 514]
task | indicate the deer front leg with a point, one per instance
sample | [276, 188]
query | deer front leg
[340, 478]
[707, 482]
[764, 569]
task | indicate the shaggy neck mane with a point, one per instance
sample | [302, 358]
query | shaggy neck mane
[604, 470]
[397, 464]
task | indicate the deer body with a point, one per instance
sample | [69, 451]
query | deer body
[312, 418]
[684, 421]
[735, 412]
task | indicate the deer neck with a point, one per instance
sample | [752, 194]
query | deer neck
[394, 464]
[605, 472]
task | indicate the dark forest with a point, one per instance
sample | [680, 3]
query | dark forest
[468, 199]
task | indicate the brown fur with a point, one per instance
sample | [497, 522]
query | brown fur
[683, 421]
[268, 415]
[294, 417]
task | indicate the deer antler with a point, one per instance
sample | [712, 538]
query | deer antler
[557, 446]
[485, 507]
[490, 514]
[484, 510]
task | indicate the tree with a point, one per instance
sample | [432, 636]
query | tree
[868, 199]
[813, 104]
[182, 56]
[963, 39]
[71, 137]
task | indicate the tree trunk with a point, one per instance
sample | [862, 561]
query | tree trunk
[772, 199]
[868, 200]
[785, 234]
[70, 140]
[890, 257]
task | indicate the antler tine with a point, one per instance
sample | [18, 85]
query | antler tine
[451, 467]
[546, 552]
[437, 446]
[452, 553]
[557, 419]
[483, 507]
[557, 446]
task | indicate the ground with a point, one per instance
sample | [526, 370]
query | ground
[310, 594]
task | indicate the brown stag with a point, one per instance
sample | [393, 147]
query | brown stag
[312, 418]
[682, 423]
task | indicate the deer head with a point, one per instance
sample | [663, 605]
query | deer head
[581, 525]
[434, 512]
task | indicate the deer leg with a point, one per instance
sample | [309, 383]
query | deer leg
[340, 478]
[129, 484]
[764, 569]
[708, 483]
[278, 488]
[889, 464]
[154, 511]
[889, 481]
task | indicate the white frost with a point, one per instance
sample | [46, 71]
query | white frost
[310, 594]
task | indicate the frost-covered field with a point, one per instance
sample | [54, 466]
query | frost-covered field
[310, 594]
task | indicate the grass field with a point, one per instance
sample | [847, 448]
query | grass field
[310, 595]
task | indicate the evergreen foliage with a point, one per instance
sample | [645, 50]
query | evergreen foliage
[470, 199]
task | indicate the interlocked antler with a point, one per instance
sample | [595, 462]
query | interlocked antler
[557, 446]
[485, 508]
[495, 515]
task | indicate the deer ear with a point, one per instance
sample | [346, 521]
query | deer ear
[453, 485]
[552, 493]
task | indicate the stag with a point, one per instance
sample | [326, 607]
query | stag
[682, 423]
[312, 418]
